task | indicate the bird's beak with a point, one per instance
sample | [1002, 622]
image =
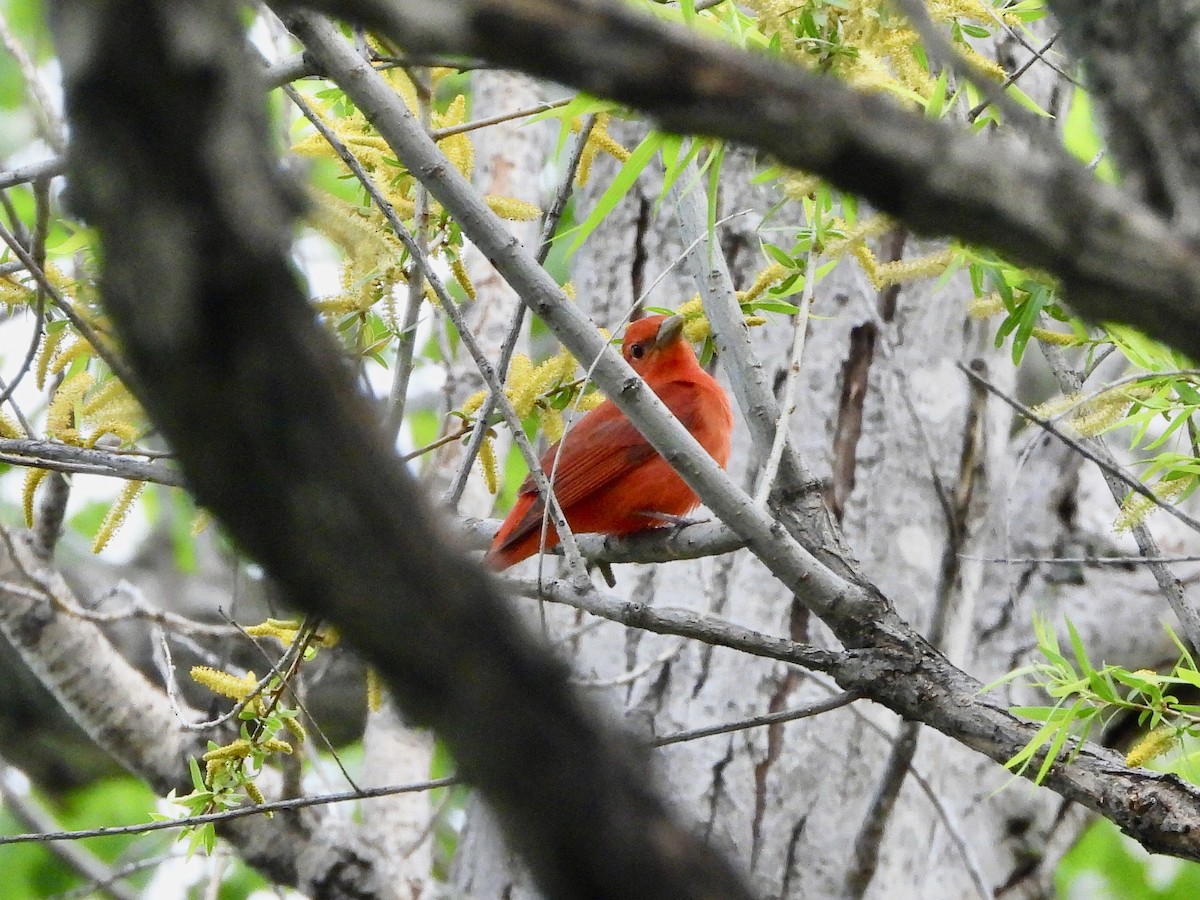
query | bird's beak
[668, 331]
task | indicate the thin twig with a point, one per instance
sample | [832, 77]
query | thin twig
[682, 623]
[1082, 560]
[549, 227]
[229, 815]
[438, 133]
[1170, 586]
[777, 718]
[978, 109]
[1110, 467]
[406, 340]
[787, 408]
[45, 168]
[940, 48]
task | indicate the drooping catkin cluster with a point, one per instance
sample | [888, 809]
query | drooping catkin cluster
[374, 261]
[599, 141]
[266, 719]
[61, 350]
[1094, 416]
[991, 304]
[1137, 507]
[540, 391]
[82, 412]
[1153, 745]
[870, 44]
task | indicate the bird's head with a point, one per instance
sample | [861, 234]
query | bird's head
[656, 341]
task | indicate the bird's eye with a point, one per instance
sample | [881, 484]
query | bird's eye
[637, 351]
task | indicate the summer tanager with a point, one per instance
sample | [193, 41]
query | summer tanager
[608, 479]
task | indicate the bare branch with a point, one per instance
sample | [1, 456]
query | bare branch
[85, 461]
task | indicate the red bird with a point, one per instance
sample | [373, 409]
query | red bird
[609, 480]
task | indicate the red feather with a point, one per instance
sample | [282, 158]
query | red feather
[608, 479]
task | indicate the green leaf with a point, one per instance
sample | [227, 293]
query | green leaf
[621, 185]
[936, 104]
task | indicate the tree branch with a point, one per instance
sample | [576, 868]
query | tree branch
[1118, 258]
[169, 160]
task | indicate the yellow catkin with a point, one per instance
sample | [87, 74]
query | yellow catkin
[277, 745]
[341, 305]
[328, 636]
[568, 288]
[583, 171]
[487, 464]
[374, 690]
[126, 432]
[457, 147]
[599, 141]
[471, 404]
[223, 683]
[1057, 405]
[883, 275]
[852, 235]
[46, 353]
[239, 749]
[293, 725]
[1137, 507]
[77, 349]
[697, 329]
[1107, 409]
[1055, 338]
[12, 293]
[590, 401]
[33, 477]
[772, 274]
[512, 209]
[284, 632]
[563, 365]
[370, 267]
[10, 427]
[255, 795]
[521, 386]
[552, 425]
[799, 185]
[606, 143]
[986, 306]
[461, 276]
[117, 514]
[200, 521]
[1153, 745]
[61, 415]
[109, 393]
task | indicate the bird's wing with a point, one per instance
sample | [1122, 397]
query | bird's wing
[603, 447]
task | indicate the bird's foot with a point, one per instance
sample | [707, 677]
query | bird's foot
[678, 523]
[605, 569]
